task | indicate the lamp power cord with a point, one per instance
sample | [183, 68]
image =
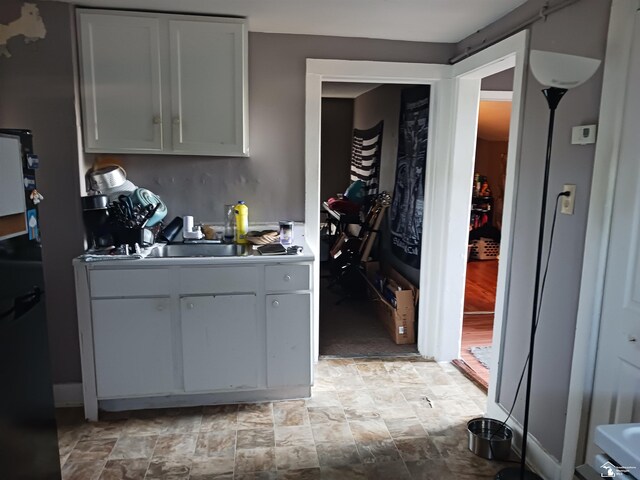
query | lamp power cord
[535, 325]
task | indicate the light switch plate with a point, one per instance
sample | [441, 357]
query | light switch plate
[583, 135]
[567, 203]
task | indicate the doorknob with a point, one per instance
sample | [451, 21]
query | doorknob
[276, 303]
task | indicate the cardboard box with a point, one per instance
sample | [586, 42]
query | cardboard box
[399, 320]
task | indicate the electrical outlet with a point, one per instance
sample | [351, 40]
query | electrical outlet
[567, 203]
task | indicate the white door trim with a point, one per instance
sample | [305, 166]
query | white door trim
[612, 101]
[446, 206]
[495, 96]
[511, 52]
[506, 54]
[435, 75]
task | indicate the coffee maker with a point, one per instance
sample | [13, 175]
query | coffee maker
[95, 215]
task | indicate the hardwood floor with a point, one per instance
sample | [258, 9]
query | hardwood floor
[477, 325]
[480, 290]
[477, 331]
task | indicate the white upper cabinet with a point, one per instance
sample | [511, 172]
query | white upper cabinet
[206, 86]
[163, 83]
[121, 94]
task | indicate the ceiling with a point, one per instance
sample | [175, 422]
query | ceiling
[447, 21]
[493, 120]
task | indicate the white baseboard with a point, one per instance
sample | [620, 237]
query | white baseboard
[67, 395]
[538, 459]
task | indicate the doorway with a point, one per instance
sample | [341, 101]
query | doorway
[341, 71]
[360, 132]
[455, 99]
[485, 226]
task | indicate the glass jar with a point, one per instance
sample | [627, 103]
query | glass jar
[229, 223]
[286, 233]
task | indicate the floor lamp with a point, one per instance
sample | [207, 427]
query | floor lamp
[558, 72]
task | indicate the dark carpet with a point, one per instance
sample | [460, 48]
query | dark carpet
[352, 328]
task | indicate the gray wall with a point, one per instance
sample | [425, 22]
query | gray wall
[272, 180]
[383, 103]
[562, 32]
[501, 81]
[335, 146]
[36, 92]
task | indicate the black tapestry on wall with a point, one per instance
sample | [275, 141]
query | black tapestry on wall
[408, 198]
[365, 158]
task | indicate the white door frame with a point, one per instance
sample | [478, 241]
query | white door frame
[453, 118]
[445, 333]
[318, 71]
[612, 102]
[510, 52]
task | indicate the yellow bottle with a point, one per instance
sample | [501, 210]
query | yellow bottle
[242, 222]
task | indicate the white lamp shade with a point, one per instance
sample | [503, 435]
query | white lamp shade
[560, 70]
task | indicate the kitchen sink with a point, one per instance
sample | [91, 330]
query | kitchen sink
[199, 250]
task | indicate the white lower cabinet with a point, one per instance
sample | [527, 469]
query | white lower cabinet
[156, 336]
[220, 347]
[133, 346]
[288, 339]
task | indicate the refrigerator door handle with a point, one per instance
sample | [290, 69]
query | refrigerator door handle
[23, 303]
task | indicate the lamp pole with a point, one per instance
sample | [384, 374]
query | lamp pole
[553, 96]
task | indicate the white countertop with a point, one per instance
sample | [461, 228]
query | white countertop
[306, 256]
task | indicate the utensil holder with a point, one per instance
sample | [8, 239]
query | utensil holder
[130, 236]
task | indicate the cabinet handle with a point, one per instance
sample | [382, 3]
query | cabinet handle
[190, 306]
[275, 303]
[287, 278]
[157, 119]
[176, 120]
[632, 338]
[160, 308]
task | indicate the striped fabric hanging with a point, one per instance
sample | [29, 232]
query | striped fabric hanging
[365, 157]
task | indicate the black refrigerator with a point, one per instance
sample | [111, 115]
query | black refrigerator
[28, 434]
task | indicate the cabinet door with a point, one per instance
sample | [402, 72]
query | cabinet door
[133, 346]
[220, 347]
[121, 98]
[208, 87]
[289, 339]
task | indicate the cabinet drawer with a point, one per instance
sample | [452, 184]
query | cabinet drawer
[129, 282]
[218, 280]
[283, 278]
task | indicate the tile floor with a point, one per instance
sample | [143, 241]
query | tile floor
[387, 419]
